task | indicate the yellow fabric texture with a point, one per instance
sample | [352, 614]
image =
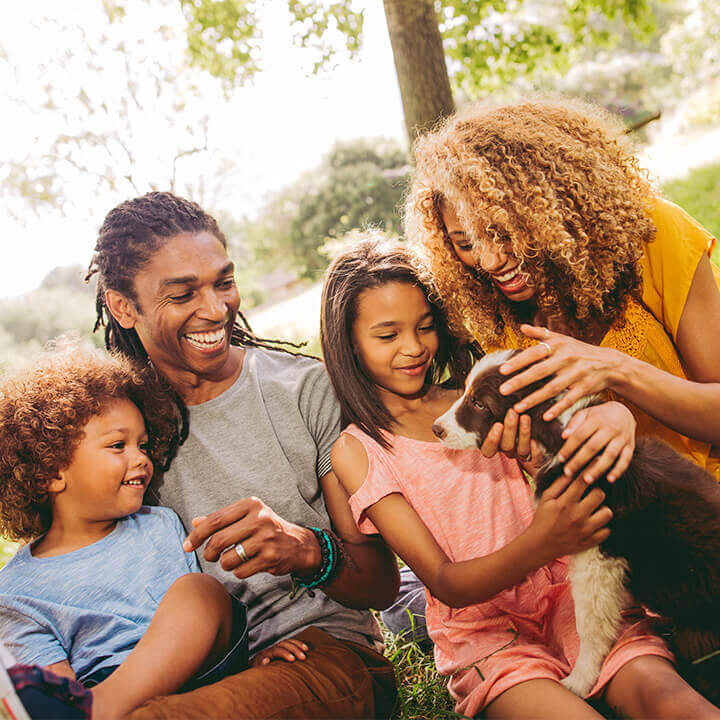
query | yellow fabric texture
[650, 328]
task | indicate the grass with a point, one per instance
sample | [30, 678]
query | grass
[698, 192]
[422, 693]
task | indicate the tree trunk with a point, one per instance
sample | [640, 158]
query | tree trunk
[419, 63]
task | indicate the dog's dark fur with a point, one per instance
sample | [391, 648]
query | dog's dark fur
[666, 524]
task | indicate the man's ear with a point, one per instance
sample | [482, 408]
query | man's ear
[121, 308]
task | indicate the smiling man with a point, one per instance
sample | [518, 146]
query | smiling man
[253, 481]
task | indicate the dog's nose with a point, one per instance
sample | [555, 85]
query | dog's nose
[439, 430]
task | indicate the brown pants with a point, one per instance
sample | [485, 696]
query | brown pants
[339, 679]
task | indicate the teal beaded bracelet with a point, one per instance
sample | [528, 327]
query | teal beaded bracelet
[330, 554]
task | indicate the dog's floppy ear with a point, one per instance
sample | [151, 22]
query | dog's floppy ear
[498, 404]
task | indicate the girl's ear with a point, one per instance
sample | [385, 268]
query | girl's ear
[57, 485]
[121, 308]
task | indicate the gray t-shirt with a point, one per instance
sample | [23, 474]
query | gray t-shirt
[268, 435]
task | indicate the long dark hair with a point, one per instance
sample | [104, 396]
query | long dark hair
[369, 264]
[129, 237]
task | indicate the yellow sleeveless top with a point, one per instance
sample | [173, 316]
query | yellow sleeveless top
[650, 328]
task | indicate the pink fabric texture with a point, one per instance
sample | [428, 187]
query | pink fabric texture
[473, 506]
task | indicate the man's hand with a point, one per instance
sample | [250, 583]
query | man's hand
[271, 544]
[289, 650]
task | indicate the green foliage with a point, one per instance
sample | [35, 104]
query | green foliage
[422, 692]
[223, 38]
[698, 193]
[490, 44]
[357, 185]
[223, 35]
[486, 43]
[317, 19]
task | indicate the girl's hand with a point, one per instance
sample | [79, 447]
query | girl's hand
[578, 367]
[513, 438]
[604, 432]
[565, 522]
[289, 650]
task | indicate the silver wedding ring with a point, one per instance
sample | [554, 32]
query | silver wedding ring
[547, 333]
[549, 349]
[240, 550]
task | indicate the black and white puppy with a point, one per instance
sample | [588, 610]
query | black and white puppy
[664, 544]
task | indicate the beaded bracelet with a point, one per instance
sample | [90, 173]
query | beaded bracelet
[330, 560]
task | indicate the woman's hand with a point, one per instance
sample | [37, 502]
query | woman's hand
[604, 432]
[271, 544]
[578, 367]
[289, 650]
[565, 522]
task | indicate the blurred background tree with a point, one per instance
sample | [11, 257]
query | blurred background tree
[61, 303]
[356, 185]
[475, 45]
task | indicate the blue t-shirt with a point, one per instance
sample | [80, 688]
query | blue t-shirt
[91, 606]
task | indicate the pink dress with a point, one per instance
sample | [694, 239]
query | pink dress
[473, 506]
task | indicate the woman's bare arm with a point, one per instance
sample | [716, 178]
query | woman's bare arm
[690, 407]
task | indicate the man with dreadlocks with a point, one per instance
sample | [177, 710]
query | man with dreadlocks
[253, 480]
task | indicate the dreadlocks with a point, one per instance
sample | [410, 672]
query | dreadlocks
[129, 237]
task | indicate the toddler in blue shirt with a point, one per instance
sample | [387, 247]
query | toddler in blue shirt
[103, 591]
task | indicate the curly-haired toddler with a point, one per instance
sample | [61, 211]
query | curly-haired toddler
[102, 590]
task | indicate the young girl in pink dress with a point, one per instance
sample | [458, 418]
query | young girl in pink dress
[499, 609]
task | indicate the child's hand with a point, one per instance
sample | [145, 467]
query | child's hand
[565, 522]
[289, 650]
[604, 432]
[511, 437]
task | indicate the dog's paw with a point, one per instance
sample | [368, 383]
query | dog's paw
[578, 683]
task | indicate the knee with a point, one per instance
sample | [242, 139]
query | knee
[198, 588]
[651, 687]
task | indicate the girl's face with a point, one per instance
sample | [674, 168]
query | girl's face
[394, 337]
[498, 262]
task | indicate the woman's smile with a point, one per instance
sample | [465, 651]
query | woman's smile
[511, 282]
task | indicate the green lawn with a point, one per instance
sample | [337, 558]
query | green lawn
[698, 192]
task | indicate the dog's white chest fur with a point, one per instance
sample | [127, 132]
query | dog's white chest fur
[599, 595]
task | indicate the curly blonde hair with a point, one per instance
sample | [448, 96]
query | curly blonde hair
[554, 183]
[43, 413]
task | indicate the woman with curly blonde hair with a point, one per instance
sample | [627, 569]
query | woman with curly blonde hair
[541, 232]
